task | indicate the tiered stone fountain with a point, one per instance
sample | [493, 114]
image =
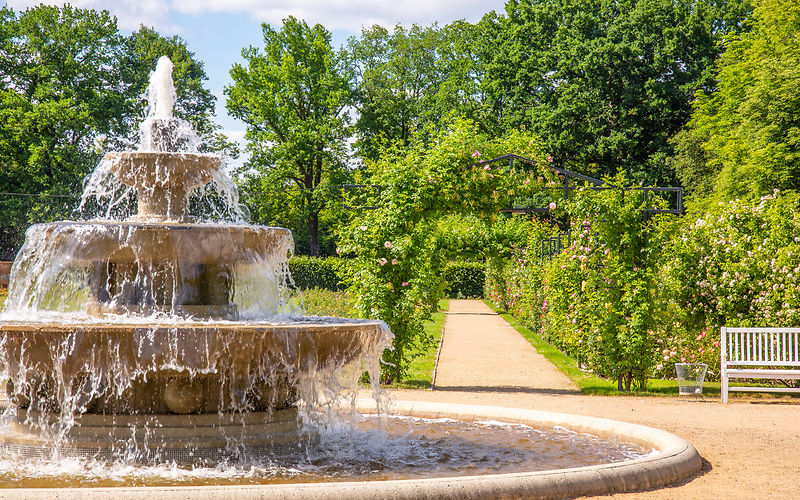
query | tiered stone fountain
[160, 335]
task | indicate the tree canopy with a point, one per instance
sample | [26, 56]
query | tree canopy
[607, 83]
[292, 94]
[744, 139]
[410, 79]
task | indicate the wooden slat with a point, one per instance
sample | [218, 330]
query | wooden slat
[740, 344]
[763, 363]
[783, 352]
[763, 373]
[774, 345]
[796, 346]
[763, 389]
[747, 349]
[750, 330]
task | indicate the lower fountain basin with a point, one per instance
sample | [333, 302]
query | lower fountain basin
[672, 460]
[186, 367]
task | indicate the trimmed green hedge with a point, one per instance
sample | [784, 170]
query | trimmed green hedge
[326, 273]
[465, 279]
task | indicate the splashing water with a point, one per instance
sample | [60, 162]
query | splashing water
[105, 197]
[161, 92]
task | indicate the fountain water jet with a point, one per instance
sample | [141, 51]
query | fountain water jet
[113, 328]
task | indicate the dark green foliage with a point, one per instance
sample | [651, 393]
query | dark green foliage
[744, 139]
[327, 273]
[59, 96]
[607, 83]
[409, 79]
[464, 280]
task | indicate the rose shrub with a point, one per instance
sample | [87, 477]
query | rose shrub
[629, 298]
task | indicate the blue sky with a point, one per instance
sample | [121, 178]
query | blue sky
[217, 30]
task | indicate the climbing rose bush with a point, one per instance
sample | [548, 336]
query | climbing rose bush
[734, 263]
[398, 248]
[629, 297]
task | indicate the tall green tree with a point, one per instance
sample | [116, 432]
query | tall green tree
[60, 93]
[409, 79]
[292, 94]
[744, 139]
[607, 83]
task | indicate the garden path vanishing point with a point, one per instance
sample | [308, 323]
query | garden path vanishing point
[481, 352]
[751, 446]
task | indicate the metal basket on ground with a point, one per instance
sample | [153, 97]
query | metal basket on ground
[690, 378]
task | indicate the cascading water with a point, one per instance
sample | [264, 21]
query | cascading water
[115, 326]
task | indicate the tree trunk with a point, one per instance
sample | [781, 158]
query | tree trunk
[313, 234]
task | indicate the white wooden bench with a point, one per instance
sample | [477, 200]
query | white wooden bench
[759, 353]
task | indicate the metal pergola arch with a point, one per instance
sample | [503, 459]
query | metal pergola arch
[596, 184]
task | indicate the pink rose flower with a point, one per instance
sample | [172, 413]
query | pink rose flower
[387, 244]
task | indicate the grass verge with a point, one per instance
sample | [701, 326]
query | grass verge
[420, 371]
[319, 302]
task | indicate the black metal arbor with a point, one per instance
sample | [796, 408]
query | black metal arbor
[569, 181]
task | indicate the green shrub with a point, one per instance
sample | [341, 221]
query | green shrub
[464, 279]
[734, 263]
[327, 273]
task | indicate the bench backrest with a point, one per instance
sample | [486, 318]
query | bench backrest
[760, 346]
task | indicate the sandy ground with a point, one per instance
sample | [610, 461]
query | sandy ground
[751, 447]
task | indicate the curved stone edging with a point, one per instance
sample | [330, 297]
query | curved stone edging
[675, 460]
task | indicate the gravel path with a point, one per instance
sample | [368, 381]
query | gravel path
[751, 445]
[481, 352]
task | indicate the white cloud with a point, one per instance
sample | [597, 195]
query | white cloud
[130, 13]
[348, 15]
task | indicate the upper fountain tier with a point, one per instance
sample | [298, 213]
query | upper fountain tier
[167, 166]
[163, 181]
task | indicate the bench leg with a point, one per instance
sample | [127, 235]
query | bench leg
[724, 388]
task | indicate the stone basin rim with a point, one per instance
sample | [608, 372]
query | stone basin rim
[306, 323]
[165, 224]
[675, 459]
